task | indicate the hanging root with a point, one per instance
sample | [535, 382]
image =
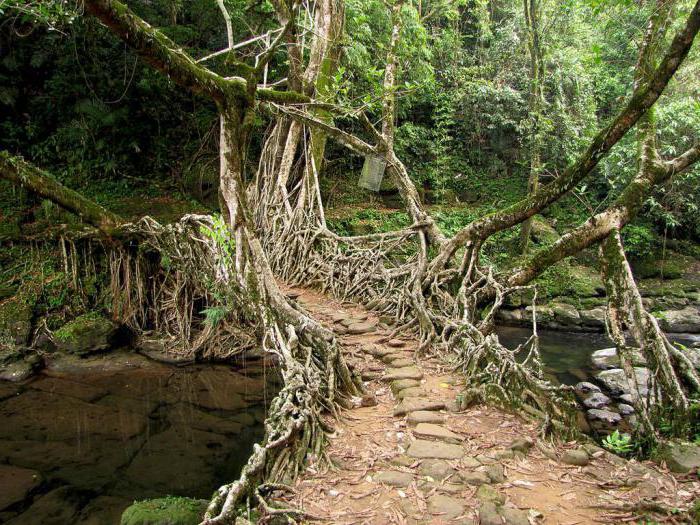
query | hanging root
[673, 381]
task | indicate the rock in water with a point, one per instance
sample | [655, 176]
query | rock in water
[616, 381]
[605, 359]
[15, 484]
[165, 511]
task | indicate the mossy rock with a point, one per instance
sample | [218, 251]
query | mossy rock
[16, 319]
[165, 511]
[543, 233]
[85, 334]
[673, 266]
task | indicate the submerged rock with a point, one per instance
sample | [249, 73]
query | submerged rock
[165, 511]
[85, 334]
[15, 484]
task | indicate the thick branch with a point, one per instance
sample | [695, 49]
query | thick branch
[601, 225]
[642, 99]
[20, 172]
[168, 58]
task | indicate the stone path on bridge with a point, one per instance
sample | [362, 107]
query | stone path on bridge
[405, 454]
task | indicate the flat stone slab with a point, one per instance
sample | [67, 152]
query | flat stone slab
[396, 343]
[394, 478]
[445, 506]
[408, 372]
[476, 478]
[388, 358]
[438, 469]
[425, 416]
[347, 320]
[361, 328]
[377, 350]
[400, 384]
[415, 391]
[403, 362]
[423, 449]
[412, 405]
[433, 431]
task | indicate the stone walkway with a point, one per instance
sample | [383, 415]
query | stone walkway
[405, 454]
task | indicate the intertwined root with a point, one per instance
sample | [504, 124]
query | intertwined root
[161, 282]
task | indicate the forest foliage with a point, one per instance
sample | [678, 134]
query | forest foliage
[462, 118]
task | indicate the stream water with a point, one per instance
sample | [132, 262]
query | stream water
[82, 441]
[87, 437]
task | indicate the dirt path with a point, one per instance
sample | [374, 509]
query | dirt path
[410, 457]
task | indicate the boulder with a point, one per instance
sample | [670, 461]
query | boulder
[585, 387]
[58, 507]
[85, 334]
[681, 457]
[605, 417]
[685, 320]
[565, 314]
[605, 358]
[625, 409]
[575, 457]
[522, 445]
[597, 400]
[165, 511]
[616, 381]
[593, 318]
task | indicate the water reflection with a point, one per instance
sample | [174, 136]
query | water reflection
[111, 436]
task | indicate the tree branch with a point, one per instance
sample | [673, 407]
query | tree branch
[18, 171]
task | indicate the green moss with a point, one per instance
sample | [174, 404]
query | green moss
[73, 329]
[170, 510]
